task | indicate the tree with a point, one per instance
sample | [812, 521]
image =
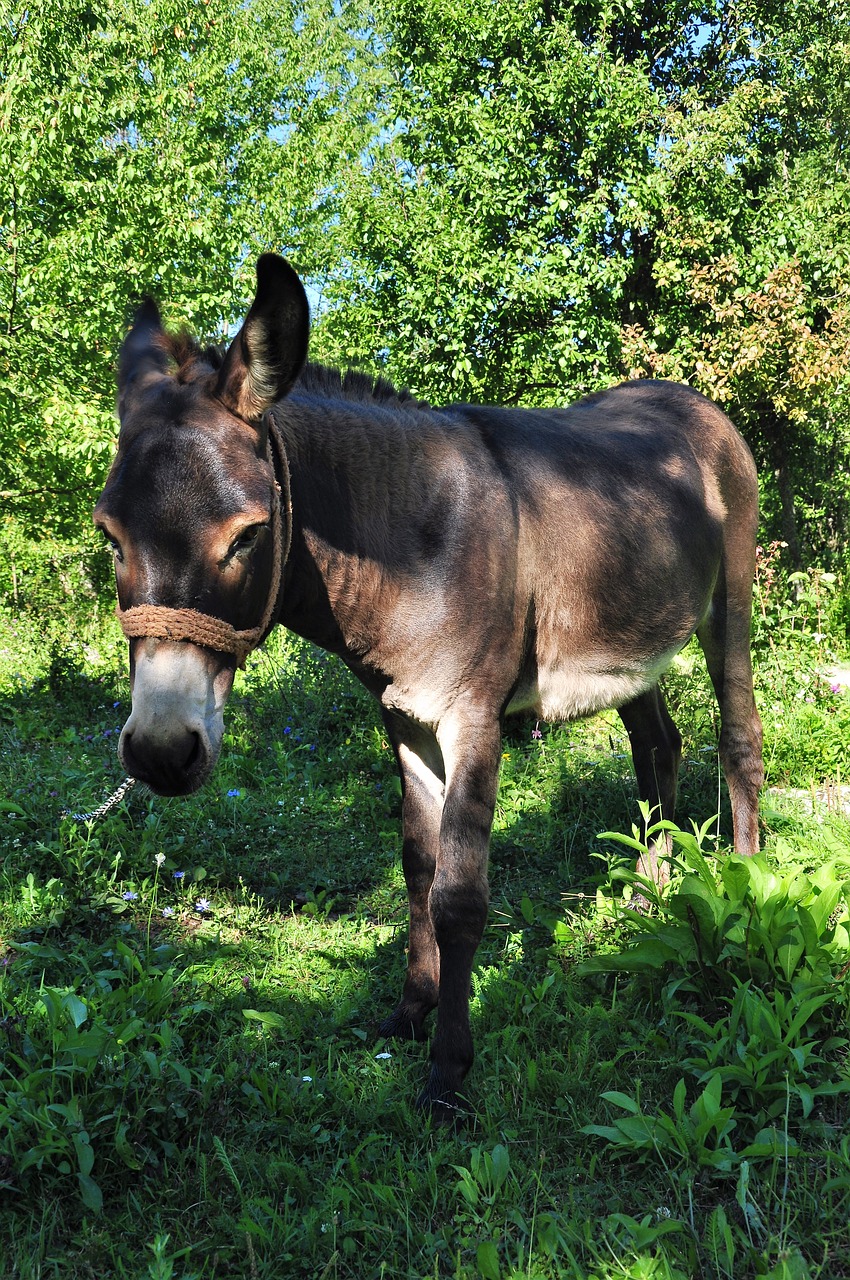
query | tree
[135, 139]
[751, 268]
[544, 199]
[514, 203]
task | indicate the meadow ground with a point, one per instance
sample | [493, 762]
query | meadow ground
[190, 1079]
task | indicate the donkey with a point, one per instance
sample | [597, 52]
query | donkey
[464, 562]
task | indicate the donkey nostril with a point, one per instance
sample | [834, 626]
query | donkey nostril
[125, 750]
[194, 752]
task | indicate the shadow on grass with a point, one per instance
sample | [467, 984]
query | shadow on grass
[299, 828]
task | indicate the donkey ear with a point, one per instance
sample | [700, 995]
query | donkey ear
[270, 349]
[141, 353]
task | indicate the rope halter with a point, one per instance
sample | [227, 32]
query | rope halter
[162, 623]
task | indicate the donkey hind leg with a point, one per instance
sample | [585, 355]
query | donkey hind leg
[656, 751]
[459, 899]
[420, 764]
[725, 640]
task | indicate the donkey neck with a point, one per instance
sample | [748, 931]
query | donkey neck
[361, 470]
[363, 488]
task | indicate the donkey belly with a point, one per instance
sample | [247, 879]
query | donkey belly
[580, 688]
[615, 588]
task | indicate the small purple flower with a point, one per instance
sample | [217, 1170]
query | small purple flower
[178, 875]
[129, 896]
[115, 704]
[234, 791]
[202, 905]
[287, 731]
[167, 913]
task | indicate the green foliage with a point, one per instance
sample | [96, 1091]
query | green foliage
[161, 1265]
[512, 203]
[768, 1052]
[742, 921]
[134, 139]
[542, 202]
[800, 646]
[749, 966]
[92, 1075]
[505, 206]
[689, 1139]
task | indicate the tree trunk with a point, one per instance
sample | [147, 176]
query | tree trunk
[776, 430]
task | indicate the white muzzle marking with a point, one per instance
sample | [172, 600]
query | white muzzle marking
[173, 735]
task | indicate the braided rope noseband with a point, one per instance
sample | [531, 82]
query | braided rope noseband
[162, 623]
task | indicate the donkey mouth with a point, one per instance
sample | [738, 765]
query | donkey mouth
[177, 767]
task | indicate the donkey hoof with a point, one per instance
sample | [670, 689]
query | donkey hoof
[445, 1106]
[404, 1023]
[447, 1111]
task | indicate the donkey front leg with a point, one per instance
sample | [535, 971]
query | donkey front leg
[420, 764]
[459, 899]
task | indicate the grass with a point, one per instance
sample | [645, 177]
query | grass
[200, 1092]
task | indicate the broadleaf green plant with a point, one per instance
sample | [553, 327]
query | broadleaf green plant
[735, 919]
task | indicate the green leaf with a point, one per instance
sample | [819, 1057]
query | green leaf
[85, 1154]
[266, 1017]
[644, 955]
[487, 1257]
[75, 1008]
[124, 1149]
[602, 1131]
[735, 876]
[501, 1163]
[92, 1195]
[623, 1100]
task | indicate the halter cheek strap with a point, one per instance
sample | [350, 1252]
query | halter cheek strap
[162, 623]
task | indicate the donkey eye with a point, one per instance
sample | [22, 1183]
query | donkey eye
[114, 546]
[246, 540]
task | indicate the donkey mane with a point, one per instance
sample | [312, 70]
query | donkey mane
[322, 380]
[187, 353]
[317, 379]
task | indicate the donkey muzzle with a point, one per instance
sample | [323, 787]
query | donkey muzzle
[172, 739]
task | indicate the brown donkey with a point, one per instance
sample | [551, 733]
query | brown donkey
[464, 562]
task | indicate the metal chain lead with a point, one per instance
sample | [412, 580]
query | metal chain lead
[114, 799]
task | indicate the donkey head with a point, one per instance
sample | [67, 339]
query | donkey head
[189, 509]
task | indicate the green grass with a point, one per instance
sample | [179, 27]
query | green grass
[190, 1093]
